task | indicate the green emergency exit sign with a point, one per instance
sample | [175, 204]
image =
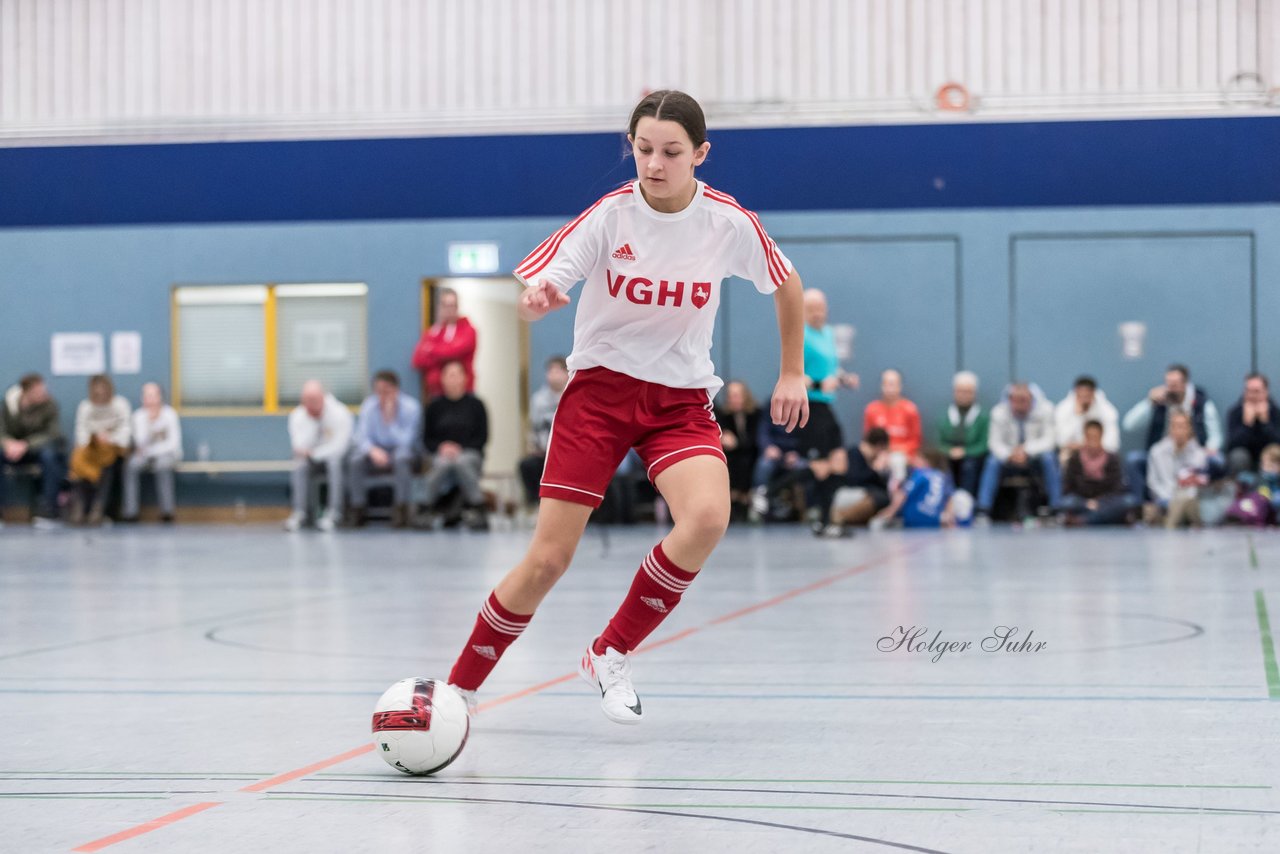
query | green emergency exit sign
[469, 259]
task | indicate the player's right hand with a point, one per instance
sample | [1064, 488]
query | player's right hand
[789, 404]
[541, 299]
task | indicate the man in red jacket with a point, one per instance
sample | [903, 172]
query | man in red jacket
[450, 339]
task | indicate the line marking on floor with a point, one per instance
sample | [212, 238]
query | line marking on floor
[157, 823]
[1268, 646]
[500, 778]
[146, 827]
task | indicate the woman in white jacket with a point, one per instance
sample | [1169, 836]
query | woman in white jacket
[157, 447]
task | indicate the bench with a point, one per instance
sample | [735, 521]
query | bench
[213, 468]
[502, 489]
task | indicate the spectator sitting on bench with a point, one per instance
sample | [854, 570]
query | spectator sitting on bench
[898, 417]
[1252, 424]
[865, 490]
[739, 420]
[385, 441]
[1150, 417]
[1085, 403]
[30, 435]
[1177, 467]
[962, 432]
[103, 436]
[320, 433]
[157, 447]
[779, 467]
[455, 429]
[1021, 440]
[1093, 487]
[542, 410]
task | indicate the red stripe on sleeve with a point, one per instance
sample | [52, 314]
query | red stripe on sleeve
[539, 258]
[777, 269]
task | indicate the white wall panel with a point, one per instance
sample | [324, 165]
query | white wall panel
[219, 69]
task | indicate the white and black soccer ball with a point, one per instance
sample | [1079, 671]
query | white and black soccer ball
[420, 725]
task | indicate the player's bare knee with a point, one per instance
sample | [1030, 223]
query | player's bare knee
[706, 523]
[545, 566]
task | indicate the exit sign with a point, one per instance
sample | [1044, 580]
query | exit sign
[469, 259]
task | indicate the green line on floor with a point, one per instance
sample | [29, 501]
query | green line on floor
[1268, 647]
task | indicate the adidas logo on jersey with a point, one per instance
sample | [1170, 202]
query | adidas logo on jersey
[624, 253]
[655, 603]
[485, 652]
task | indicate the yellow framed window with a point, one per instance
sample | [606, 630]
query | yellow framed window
[247, 349]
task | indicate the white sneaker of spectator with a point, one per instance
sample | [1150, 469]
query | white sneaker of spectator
[294, 522]
[326, 522]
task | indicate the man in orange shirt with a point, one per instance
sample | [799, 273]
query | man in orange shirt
[898, 417]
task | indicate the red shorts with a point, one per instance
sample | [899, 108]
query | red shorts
[603, 414]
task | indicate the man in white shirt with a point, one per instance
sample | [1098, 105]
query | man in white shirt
[320, 432]
[1150, 416]
[1085, 403]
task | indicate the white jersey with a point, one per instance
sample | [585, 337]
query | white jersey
[653, 281]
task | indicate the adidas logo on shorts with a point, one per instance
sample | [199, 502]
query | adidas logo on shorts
[624, 253]
[655, 603]
[485, 652]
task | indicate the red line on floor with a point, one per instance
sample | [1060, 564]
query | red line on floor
[798, 591]
[146, 827]
[525, 692]
[288, 776]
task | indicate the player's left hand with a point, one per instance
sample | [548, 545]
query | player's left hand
[539, 300]
[789, 407]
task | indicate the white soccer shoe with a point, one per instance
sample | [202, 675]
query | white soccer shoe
[611, 674]
[470, 697]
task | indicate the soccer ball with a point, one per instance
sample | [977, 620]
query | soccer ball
[420, 725]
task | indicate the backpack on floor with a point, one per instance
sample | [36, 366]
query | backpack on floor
[1252, 508]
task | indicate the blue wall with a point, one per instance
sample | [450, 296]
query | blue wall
[986, 277]
[1012, 164]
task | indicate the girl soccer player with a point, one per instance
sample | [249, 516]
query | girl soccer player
[653, 255]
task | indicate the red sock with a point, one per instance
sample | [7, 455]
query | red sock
[495, 629]
[657, 589]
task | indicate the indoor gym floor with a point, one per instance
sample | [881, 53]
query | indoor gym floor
[208, 689]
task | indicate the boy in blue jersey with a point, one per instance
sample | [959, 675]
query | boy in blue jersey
[923, 500]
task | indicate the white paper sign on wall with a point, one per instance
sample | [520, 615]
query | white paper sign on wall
[126, 352]
[77, 354]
